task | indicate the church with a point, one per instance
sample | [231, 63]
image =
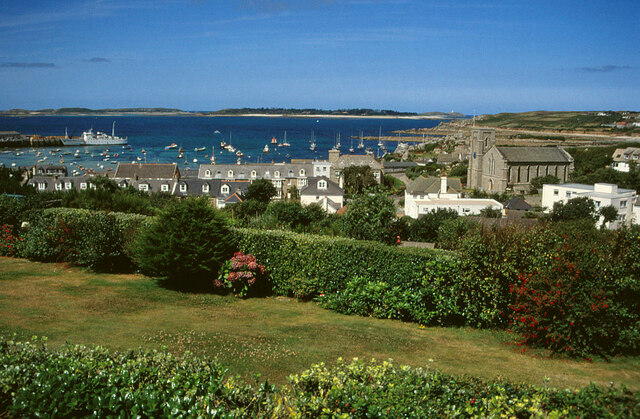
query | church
[495, 168]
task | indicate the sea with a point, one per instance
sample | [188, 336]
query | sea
[148, 136]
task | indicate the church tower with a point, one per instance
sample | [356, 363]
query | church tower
[482, 139]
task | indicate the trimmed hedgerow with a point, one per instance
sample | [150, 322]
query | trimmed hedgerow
[79, 381]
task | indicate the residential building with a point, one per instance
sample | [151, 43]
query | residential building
[623, 158]
[324, 192]
[498, 168]
[424, 195]
[340, 162]
[603, 194]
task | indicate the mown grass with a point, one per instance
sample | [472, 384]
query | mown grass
[270, 336]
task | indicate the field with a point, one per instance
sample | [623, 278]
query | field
[271, 336]
[541, 120]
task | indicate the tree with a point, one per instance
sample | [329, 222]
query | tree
[187, 244]
[425, 228]
[289, 213]
[609, 213]
[489, 212]
[575, 209]
[370, 217]
[261, 190]
[357, 179]
[537, 182]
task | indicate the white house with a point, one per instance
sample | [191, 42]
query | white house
[623, 157]
[424, 195]
[322, 191]
[603, 194]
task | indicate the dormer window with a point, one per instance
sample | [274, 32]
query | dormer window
[67, 185]
[207, 173]
[254, 174]
[225, 189]
[267, 174]
[290, 172]
[164, 188]
[205, 188]
[322, 184]
[143, 187]
[58, 186]
[276, 173]
[218, 174]
[230, 173]
[93, 186]
[183, 187]
[302, 172]
[83, 186]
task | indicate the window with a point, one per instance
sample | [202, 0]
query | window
[58, 186]
[164, 188]
[225, 189]
[68, 185]
[218, 174]
[302, 172]
[276, 173]
[267, 174]
[254, 173]
[93, 186]
[336, 174]
[207, 173]
[83, 186]
[143, 187]
[597, 203]
[205, 188]
[42, 186]
[556, 192]
[290, 172]
[466, 210]
[322, 184]
[230, 173]
[568, 194]
[183, 187]
[623, 203]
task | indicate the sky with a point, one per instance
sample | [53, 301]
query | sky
[469, 56]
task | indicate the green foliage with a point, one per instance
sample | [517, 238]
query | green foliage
[538, 181]
[425, 228]
[460, 170]
[246, 210]
[243, 276]
[359, 389]
[11, 182]
[261, 190]
[357, 179]
[452, 231]
[290, 214]
[79, 381]
[394, 185]
[188, 243]
[430, 169]
[489, 212]
[94, 239]
[370, 217]
[609, 213]
[574, 209]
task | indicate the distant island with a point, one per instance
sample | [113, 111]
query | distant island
[265, 112]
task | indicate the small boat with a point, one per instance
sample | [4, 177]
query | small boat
[223, 144]
[369, 151]
[143, 151]
[171, 146]
[266, 148]
[351, 150]
[239, 153]
[200, 149]
[216, 132]
[361, 143]
[274, 141]
[312, 147]
[284, 143]
[195, 160]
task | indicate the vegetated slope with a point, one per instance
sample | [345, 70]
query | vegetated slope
[551, 120]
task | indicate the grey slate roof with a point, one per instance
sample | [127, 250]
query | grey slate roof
[147, 171]
[312, 188]
[535, 154]
[626, 154]
[263, 171]
[423, 185]
[517, 203]
[347, 160]
[399, 164]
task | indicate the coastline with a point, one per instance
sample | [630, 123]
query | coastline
[248, 115]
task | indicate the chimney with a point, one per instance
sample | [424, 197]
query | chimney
[443, 184]
[334, 155]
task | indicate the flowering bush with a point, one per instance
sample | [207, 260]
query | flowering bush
[242, 275]
[9, 241]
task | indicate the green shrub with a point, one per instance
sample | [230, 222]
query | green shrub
[78, 381]
[187, 243]
[370, 217]
[425, 228]
[243, 276]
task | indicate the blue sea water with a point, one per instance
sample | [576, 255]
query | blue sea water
[153, 133]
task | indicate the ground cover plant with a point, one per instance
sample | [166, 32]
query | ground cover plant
[92, 381]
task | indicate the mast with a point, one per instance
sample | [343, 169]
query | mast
[113, 129]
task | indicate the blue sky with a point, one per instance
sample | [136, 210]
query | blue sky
[491, 56]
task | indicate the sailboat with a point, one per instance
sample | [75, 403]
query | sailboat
[284, 143]
[338, 145]
[361, 143]
[351, 150]
[312, 147]
[213, 155]
[380, 143]
[229, 147]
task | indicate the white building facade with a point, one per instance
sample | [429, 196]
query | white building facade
[603, 194]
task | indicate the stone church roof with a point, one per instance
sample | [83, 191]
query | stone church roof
[546, 155]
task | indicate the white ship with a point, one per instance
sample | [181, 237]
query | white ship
[97, 138]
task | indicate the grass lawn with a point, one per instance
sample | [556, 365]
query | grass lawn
[272, 336]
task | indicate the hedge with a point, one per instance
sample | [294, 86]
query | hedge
[79, 381]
